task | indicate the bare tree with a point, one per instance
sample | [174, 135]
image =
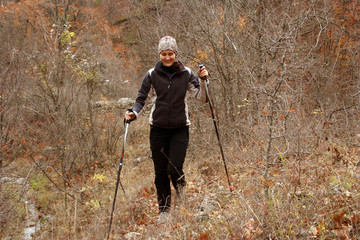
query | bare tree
[281, 72]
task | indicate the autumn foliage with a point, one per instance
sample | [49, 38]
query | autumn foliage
[285, 87]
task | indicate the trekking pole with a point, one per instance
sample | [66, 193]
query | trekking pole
[118, 175]
[216, 129]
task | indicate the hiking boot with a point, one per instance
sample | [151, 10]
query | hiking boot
[180, 196]
[163, 217]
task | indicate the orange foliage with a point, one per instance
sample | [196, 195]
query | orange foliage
[204, 236]
[346, 16]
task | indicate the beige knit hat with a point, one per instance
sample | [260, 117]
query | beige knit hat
[167, 43]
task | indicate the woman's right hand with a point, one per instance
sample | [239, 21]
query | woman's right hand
[129, 116]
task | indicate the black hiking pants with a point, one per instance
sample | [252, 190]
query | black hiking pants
[168, 148]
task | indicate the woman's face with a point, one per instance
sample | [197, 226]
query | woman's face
[167, 58]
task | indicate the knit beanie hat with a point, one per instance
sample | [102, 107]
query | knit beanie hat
[167, 43]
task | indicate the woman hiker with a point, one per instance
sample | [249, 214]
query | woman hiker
[168, 85]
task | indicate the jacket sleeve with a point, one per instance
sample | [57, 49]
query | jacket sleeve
[145, 94]
[196, 88]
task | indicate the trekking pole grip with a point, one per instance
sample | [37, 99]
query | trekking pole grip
[203, 78]
[130, 120]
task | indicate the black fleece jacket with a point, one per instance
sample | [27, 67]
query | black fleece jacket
[169, 92]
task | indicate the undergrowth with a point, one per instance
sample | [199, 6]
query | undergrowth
[313, 196]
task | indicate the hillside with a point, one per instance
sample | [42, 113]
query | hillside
[312, 197]
[284, 78]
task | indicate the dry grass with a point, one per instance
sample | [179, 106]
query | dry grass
[316, 196]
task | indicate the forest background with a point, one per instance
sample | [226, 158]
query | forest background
[285, 84]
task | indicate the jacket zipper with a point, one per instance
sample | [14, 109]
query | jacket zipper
[169, 87]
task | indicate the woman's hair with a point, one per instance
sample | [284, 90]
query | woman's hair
[178, 67]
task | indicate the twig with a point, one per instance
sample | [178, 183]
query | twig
[48, 177]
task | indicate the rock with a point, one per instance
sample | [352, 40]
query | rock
[125, 102]
[13, 180]
[122, 103]
[202, 215]
[132, 235]
[209, 205]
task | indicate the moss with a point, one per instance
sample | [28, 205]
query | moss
[121, 20]
[40, 186]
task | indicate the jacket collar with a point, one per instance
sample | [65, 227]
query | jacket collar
[158, 66]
